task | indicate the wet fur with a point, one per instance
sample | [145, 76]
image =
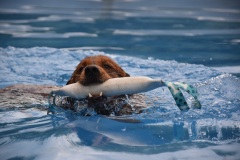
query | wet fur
[106, 66]
[37, 95]
[96, 70]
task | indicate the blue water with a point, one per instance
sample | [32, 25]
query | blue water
[161, 131]
[42, 42]
[200, 32]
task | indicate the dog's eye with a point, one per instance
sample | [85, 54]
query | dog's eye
[107, 66]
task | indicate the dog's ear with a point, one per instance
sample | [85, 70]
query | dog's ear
[127, 75]
[123, 73]
[70, 81]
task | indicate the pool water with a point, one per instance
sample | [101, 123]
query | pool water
[161, 131]
[42, 42]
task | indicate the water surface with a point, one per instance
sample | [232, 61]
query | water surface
[161, 131]
[191, 41]
[199, 32]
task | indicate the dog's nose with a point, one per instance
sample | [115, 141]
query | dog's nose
[91, 70]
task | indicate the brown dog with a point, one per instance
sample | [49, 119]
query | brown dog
[91, 70]
[98, 69]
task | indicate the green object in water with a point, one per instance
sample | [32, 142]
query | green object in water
[175, 89]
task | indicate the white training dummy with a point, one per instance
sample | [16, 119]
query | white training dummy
[112, 87]
[129, 85]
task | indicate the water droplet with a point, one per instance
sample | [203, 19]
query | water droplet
[124, 129]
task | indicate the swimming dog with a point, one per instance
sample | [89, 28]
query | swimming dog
[90, 70]
[98, 69]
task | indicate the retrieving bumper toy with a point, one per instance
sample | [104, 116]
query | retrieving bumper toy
[127, 85]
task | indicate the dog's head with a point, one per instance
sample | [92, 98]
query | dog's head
[96, 69]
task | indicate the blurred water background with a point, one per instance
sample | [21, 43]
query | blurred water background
[200, 32]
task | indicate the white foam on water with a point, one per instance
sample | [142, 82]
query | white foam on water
[228, 69]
